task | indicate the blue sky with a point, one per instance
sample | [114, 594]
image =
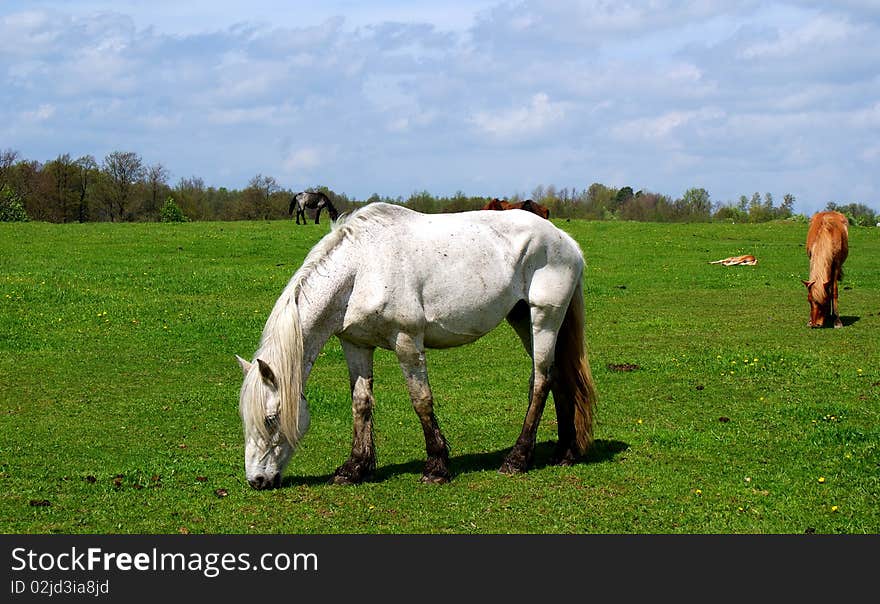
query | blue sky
[487, 98]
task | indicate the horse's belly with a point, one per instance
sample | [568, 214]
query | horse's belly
[446, 332]
[438, 325]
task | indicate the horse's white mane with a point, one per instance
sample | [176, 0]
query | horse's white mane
[281, 345]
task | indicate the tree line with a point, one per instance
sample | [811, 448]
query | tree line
[122, 187]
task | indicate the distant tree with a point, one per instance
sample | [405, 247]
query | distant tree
[157, 184]
[422, 201]
[60, 189]
[646, 207]
[786, 210]
[11, 206]
[695, 205]
[857, 213]
[191, 195]
[600, 202]
[732, 213]
[24, 178]
[624, 195]
[461, 203]
[758, 210]
[8, 158]
[171, 213]
[121, 170]
[257, 198]
[86, 178]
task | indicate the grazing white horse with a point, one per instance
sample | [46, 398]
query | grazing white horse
[389, 277]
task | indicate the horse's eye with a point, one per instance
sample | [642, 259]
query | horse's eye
[271, 422]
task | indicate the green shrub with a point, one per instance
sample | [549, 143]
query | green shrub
[11, 206]
[171, 212]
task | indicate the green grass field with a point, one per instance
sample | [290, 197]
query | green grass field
[118, 408]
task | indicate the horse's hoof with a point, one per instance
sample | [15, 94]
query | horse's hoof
[350, 474]
[564, 462]
[434, 478]
[510, 468]
[563, 458]
[342, 479]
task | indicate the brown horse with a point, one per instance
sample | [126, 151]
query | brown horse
[497, 204]
[827, 248]
[528, 205]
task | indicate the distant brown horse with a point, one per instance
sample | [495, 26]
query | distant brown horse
[827, 248]
[528, 205]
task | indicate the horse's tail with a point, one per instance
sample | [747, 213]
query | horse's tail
[573, 376]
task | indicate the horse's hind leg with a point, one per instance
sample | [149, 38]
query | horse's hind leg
[566, 447]
[835, 309]
[411, 355]
[543, 341]
[362, 461]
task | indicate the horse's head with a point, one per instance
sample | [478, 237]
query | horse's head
[819, 295]
[271, 434]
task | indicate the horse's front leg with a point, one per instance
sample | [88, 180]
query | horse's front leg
[318, 215]
[362, 462]
[411, 355]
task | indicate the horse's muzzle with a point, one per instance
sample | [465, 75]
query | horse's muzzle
[262, 482]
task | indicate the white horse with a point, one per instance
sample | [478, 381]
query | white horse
[313, 201]
[389, 277]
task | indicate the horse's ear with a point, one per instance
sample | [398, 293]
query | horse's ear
[267, 373]
[807, 284]
[245, 366]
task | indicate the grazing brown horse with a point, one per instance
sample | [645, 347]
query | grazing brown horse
[827, 248]
[528, 205]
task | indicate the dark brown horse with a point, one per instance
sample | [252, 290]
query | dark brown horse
[313, 201]
[497, 204]
[528, 205]
[827, 248]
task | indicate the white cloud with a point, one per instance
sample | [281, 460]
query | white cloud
[818, 33]
[662, 129]
[537, 117]
[302, 159]
[40, 114]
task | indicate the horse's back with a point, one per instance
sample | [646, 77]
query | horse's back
[456, 276]
[828, 236]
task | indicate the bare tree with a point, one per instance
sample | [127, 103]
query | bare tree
[190, 196]
[7, 159]
[157, 182]
[258, 195]
[122, 170]
[88, 175]
[59, 175]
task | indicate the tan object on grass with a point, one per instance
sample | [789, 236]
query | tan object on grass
[747, 260]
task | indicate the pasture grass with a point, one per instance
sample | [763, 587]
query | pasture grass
[720, 411]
